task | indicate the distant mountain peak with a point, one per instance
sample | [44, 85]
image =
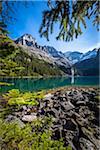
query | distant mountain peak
[76, 56]
[26, 35]
[26, 40]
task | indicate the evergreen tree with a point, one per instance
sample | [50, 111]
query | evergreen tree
[69, 15]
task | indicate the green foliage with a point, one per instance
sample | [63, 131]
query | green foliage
[15, 97]
[97, 98]
[10, 68]
[14, 137]
[69, 15]
[7, 46]
[69, 147]
[3, 27]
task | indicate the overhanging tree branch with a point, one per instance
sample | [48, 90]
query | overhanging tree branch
[70, 15]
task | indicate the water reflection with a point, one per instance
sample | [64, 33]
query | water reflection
[72, 75]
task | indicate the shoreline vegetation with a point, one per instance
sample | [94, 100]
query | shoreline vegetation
[5, 84]
[37, 77]
[64, 118]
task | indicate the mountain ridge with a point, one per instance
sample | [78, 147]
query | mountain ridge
[25, 54]
[77, 56]
[43, 52]
[89, 67]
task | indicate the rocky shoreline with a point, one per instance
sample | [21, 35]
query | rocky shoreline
[75, 115]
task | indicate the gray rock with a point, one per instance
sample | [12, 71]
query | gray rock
[75, 116]
[29, 118]
[70, 125]
[80, 103]
[66, 106]
[48, 96]
[89, 134]
[11, 118]
[86, 144]
[52, 112]
[24, 107]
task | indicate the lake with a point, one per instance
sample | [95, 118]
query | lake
[30, 84]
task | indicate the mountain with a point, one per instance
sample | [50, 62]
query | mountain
[26, 40]
[46, 53]
[89, 67]
[59, 58]
[73, 56]
[54, 52]
[25, 57]
[18, 60]
[76, 56]
[89, 54]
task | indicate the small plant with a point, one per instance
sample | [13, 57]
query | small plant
[15, 97]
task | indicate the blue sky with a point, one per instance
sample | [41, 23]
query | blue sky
[29, 20]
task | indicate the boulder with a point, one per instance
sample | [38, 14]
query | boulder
[29, 118]
[66, 106]
[48, 96]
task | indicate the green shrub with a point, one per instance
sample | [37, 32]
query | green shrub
[15, 97]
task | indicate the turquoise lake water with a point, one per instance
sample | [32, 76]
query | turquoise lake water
[30, 84]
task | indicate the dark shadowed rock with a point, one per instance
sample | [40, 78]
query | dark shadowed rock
[75, 114]
[86, 144]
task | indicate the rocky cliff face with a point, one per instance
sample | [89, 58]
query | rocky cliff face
[26, 40]
[46, 53]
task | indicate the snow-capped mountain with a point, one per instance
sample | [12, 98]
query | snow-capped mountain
[46, 53]
[51, 55]
[58, 56]
[76, 56]
[26, 40]
[89, 54]
[54, 52]
[90, 66]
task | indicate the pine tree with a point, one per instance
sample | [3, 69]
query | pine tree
[69, 15]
